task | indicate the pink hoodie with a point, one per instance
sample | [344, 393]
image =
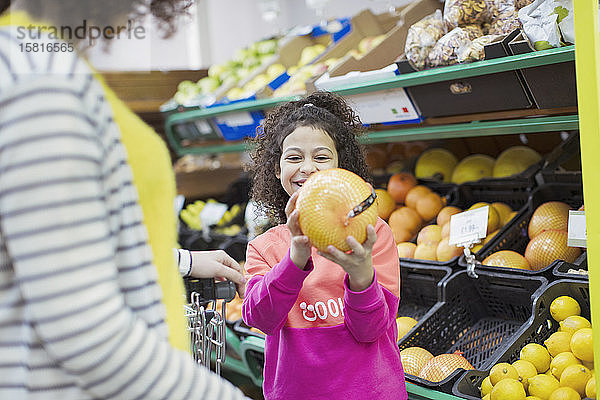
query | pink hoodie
[323, 340]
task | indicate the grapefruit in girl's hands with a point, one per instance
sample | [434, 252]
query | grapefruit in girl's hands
[324, 202]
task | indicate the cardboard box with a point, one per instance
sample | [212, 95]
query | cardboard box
[552, 85]
[364, 24]
[393, 44]
[485, 93]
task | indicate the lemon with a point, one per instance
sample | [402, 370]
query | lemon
[508, 389]
[562, 361]
[563, 307]
[590, 388]
[532, 398]
[486, 386]
[542, 386]
[574, 323]
[404, 324]
[581, 345]
[501, 371]
[537, 355]
[526, 370]
[486, 397]
[576, 377]
[564, 393]
[558, 342]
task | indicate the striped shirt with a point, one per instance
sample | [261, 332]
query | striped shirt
[81, 313]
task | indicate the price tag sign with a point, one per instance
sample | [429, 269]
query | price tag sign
[236, 119]
[469, 226]
[577, 232]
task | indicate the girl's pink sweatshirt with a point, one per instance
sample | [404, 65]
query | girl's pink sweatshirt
[323, 340]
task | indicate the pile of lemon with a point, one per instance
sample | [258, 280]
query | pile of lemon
[561, 369]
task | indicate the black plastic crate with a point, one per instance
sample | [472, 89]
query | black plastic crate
[539, 327]
[514, 236]
[420, 288]
[567, 154]
[561, 269]
[477, 317]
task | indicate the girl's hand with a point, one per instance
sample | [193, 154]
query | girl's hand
[300, 245]
[358, 264]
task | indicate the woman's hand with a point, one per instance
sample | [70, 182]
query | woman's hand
[300, 245]
[358, 264]
[219, 265]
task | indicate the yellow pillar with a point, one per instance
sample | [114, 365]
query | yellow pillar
[587, 60]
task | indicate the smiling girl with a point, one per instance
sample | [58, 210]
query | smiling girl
[329, 318]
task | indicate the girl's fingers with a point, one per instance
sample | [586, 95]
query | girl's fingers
[294, 224]
[291, 204]
[355, 246]
[371, 237]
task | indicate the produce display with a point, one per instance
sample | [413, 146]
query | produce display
[559, 368]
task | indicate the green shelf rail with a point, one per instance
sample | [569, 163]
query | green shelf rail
[485, 67]
[415, 392]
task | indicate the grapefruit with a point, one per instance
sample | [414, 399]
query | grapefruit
[550, 215]
[414, 359]
[430, 234]
[404, 325]
[548, 246]
[515, 160]
[504, 211]
[404, 221]
[415, 194]
[324, 202]
[385, 203]
[506, 258]
[406, 249]
[473, 168]
[437, 164]
[493, 216]
[440, 367]
[446, 230]
[446, 252]
[399, 184]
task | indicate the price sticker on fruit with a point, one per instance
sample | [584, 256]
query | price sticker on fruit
[469, 226]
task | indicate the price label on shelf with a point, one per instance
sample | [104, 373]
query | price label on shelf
[577, 231]
[469, 226]
[242, 118]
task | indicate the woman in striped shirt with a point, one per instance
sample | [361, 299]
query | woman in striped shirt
[90, 300]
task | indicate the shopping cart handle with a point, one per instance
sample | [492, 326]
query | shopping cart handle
[225, 290]
[208, 289]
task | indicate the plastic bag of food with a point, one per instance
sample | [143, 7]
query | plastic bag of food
[522, 3]
[475, 50]
[421, 38]
[539, 22]
[504, 18]
[465, 12]
[445, 50]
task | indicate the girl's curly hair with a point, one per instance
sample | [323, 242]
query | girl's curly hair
[104, 13]
[321, 110]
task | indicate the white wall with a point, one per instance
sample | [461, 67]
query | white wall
[215, 29]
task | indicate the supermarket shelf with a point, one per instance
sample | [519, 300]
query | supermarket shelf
[462, 130]
[485, 67]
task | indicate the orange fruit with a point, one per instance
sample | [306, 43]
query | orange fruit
[406, 249]
[399, 184]
[414, 359]
[385, 203]
[415, 194]
[550, 215]
[506, 258]
[548, 246]
[445, 214]
[439, 368]
[446, 230]
[429, 205]
[324, 202]
[405, 218]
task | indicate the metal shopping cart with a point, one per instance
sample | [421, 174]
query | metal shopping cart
[205, 322]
